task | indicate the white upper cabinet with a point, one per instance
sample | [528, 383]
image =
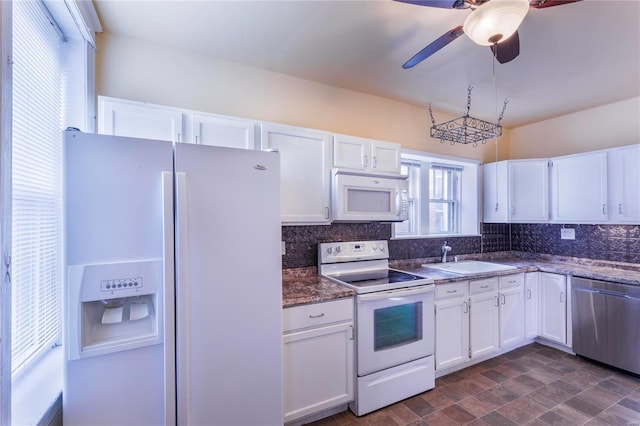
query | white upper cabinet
[209, 129]
[355, 153]
[139, 120]
[579, 188]
[624, 184]
[305, 158]
[529, 190]
[496, 192]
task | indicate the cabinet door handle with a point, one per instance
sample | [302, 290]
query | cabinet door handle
[504, 299]
[326, 212]
[466, 307]
[528, 294]
[497, 301]
[375, 162]
[317, 316]
[366, 160]
[604, 209]
[562, 297]
[619, 208]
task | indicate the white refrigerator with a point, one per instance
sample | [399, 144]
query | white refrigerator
[172, 298]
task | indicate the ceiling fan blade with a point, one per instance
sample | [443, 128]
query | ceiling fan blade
[540, 4]
[445, 4]
[508, 50]
[434, 46]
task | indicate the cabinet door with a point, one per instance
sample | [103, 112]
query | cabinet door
[529, 190]
[553, 307]
[385, 157]
[531, 305]
[483, 323]
[138, 120]
[452, 332]
[579, 187]
[220, 131]
[511, 316]
[305, 156]
[496, 192]
[318, 370]
[351, 153]
[624, 184]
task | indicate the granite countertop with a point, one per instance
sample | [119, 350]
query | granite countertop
[625, 273]
[301, 286]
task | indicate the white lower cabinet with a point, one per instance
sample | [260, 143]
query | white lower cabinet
[452, 324]
[553, 307]
[318, 349]
[531, 305]
[511, 300]
[479, 317]
[484, 317]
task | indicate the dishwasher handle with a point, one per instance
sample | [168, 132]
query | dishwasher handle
[606, 293]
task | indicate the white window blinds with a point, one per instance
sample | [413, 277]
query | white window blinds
[36, 183]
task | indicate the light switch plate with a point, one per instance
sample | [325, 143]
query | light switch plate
[567, 234]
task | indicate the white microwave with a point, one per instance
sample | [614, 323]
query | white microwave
[366, 198]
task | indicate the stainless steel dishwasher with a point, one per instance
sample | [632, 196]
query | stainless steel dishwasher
[606, 322]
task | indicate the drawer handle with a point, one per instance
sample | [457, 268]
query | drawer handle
[484, 286]
[452, 291]
[316, 316]
[512, 282]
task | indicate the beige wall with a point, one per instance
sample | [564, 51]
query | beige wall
[604, 127]
[140, 71]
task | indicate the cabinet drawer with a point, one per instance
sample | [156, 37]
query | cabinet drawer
[514, 280]
[317, 314]
[445, 291]
[482, 286]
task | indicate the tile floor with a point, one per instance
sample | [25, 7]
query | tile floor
[533, 385]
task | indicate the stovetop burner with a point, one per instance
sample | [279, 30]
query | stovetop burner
[364, 267]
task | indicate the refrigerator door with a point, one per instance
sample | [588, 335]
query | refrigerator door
[228, 286]
[118, 213]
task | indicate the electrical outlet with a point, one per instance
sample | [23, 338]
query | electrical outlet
[283, 248]
[567, 234]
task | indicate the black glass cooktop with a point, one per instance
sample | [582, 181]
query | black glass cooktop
[386, 276]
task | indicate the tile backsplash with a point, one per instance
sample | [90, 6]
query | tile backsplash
[604, 242]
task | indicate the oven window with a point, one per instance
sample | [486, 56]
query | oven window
[397, 325]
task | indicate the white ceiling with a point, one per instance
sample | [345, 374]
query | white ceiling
[572, 57]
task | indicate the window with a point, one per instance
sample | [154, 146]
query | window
[50, 87]
[443, 197]
[36, 242]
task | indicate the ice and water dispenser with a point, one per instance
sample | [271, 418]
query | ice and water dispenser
[114, 307]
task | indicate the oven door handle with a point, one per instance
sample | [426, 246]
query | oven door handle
[378, 295]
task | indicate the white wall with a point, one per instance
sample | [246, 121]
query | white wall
[604, 127]
[137, 70]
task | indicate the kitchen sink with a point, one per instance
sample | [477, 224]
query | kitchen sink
[469, 267]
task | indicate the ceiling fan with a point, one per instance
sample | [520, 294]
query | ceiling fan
[492, 23]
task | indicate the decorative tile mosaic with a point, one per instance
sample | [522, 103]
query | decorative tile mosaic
[602, 242]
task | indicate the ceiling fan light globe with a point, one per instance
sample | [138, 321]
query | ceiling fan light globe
[495, 20]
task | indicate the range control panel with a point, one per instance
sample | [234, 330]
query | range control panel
[352, 251]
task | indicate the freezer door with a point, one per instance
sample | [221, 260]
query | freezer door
[118, 210]
[228, 286]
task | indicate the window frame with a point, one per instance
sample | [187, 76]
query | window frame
[467, 206]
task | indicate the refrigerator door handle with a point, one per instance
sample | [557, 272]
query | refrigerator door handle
[169, 298]
[182, 283]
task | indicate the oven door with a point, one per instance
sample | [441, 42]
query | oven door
[394, 327]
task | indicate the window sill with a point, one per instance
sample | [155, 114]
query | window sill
[34, 394]
[422, 237]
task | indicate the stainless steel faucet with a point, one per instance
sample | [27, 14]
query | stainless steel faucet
[445, 249]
